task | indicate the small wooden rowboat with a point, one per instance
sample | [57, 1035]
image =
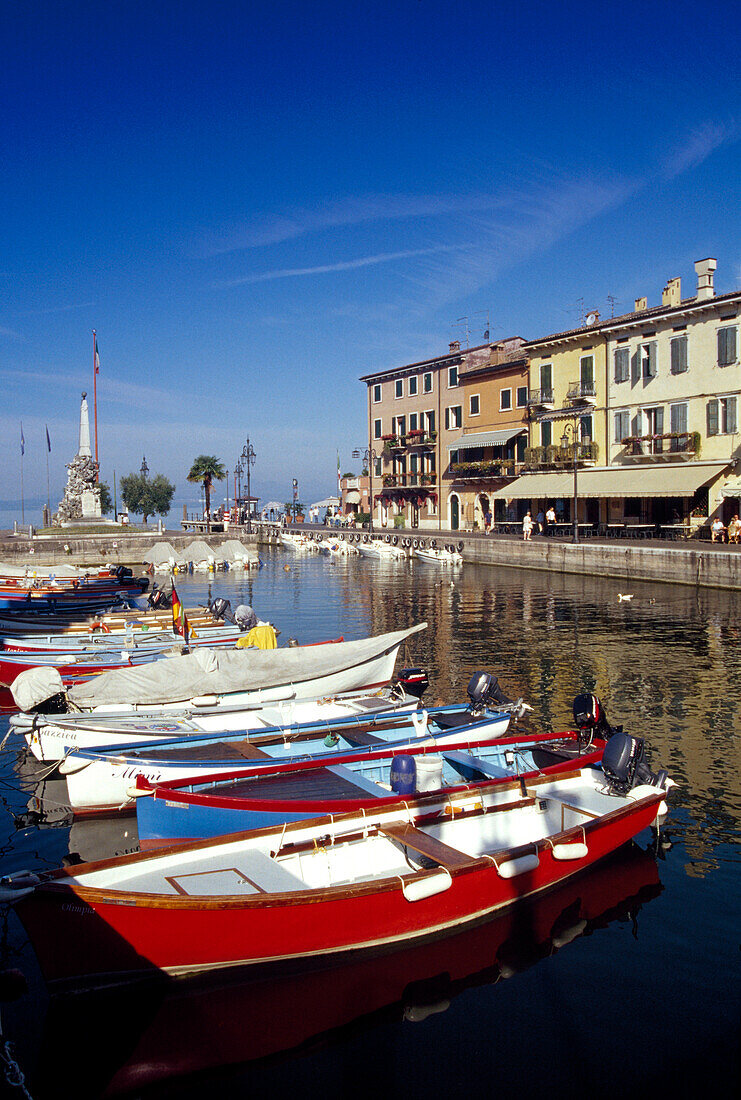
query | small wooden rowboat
[331, 885]
[269, 794]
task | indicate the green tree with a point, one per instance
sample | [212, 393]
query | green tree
[106, 501]
[147, 496]
[205, 470]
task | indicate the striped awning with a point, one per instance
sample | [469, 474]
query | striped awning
[484, 439]
[613, 481]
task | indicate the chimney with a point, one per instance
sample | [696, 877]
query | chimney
[455, 345]
[672, 295]
[705, 269]
[641, 304]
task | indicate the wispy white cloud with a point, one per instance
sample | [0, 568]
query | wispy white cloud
[700, 144]
[261, 230]
[346, 265]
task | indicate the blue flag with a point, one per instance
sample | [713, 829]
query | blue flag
[23, 442]
[48, 441]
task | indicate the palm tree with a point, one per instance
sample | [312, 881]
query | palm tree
[205, 470]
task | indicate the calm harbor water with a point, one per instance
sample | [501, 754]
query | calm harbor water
[626, 978]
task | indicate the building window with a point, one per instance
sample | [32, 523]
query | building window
[546, 381]
[377, 471]
[546, 433]
[376, 394]
[427, 383]
[647, 355]
[721, 416]
[412, 422]
[413, 386]
[474, 406]
[726, 346]
[453, 417]
[585, 429]
[622, 364]
[679, 355]
[522, 397]
[399, 388]
[622, 425]
[678, 418]
[376, 429]
[728, 421]
[505, 400]
[430, 418]
[452, 377]
[400, 423]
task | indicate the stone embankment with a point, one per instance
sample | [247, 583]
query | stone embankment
[695, 564]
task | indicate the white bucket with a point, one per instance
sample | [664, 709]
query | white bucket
[429, 772]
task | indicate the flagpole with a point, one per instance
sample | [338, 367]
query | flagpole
[23, 495]
[48, 494]
[95, 399]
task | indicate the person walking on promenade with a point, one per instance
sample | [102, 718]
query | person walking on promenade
[487, 521]
[550, 519]
[527, 528]
[540, 520]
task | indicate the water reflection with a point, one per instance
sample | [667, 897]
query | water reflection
[137, 1039]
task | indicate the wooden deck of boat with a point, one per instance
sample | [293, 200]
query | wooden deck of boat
[318, 784]
[218, 751]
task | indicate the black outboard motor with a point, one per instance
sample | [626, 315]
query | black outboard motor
[159, 599]
[222, 609]
[484, 691]
[414, 681]
[590, 718]
[624, 764]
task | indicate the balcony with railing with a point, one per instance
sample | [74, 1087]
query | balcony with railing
[665, 447]
[420, 437]
[558, 457]
[466, 471]
[408, 481]
[582, 393]
[540, 398]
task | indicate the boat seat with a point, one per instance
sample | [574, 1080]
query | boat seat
[424, 844]
[477, 764]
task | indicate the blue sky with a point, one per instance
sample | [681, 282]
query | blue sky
[254, 204]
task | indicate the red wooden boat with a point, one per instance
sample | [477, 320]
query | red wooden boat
[333, 885]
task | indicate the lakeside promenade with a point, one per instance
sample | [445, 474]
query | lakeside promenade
[695, 563]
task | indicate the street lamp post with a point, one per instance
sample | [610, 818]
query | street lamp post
[572, 428]
[368, 456]
[144, 468]
[248, 456]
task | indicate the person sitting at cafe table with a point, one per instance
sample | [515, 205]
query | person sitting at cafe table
[734, 530]
[717, 530]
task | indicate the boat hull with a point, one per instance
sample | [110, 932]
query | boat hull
[110, 935]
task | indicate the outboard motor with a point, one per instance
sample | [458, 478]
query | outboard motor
[158, 599]
[590, 718]
[414, 681]
[222, 609]
[484, 691]
[624, 764]
[245, 617]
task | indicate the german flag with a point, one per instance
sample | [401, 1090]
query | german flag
[180, 624]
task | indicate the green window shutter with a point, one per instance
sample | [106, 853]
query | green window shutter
[712, 415]
[731, 422]
[679, 355]
[726, 346]
[587, 370]
[635, 367]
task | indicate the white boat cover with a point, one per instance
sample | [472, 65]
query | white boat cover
[40, 571]
[164, 553]
[199, 551]
[233, 551]
[35, 685]
[218, 672]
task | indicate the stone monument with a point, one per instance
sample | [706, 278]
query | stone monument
[81, 501]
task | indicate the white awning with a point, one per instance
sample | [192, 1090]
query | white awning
[484, 439]
[732, 488]
[352, 497]
[613, 481]
[328, 502]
